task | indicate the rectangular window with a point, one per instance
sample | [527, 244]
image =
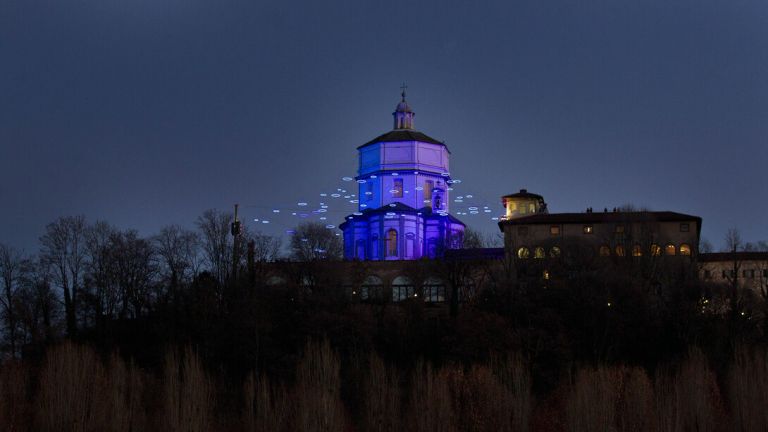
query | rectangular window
[749, 274]
[765, 273]
[724, 275]
[397, 188]
[588, 229]
[684, 227]
[522, 231]
[554, 230]
[429, 185]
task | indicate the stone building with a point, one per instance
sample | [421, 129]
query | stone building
[403, 208]
[530, 231]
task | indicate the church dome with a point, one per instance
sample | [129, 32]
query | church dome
[403, 106]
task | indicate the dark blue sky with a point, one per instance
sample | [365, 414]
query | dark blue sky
[147, 112]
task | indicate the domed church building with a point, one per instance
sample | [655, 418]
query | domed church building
[404, 193]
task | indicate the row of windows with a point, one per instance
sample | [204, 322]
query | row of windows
[730, 274]
[605, 250]
[590, 229]
[433, 289]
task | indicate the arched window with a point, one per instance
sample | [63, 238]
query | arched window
[391, 243]
[371, 288]
[605, 251]
[637, 250]
[402, 288]
[655, 250]
[397, 188]
[434, 290]
[554, 252]
[685, 250]
[429, 186]
[539, 253]
[670, 249]
[523, 253]
[620, 250]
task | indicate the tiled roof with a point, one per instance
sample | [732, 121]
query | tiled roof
[601, 217]
[402, 135]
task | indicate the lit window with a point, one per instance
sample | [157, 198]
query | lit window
[554, 230]
[392, 243]
[539, 253]
[429, 185]
[620, 250]
[605, 250]
[685, 227]
[554, 252]
[685, 250]
[546, 275]
[655, 250]
[397, 188]
[587, 229]
[637, 250]
[670, 249]
[523, 253]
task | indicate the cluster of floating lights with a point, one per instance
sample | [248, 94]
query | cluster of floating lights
[320, 211]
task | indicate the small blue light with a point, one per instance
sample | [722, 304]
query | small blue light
[347, 178]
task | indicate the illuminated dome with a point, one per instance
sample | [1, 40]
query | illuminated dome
[403, 114]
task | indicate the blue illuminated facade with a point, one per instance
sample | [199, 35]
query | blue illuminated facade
[404, 193]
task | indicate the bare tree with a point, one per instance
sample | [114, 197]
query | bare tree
[312, 241]
[134, 271]
[216, 242]
[177, 249]
[13, 265]
[37, 304]
[266, 247]
[100, 286]
[63, 249]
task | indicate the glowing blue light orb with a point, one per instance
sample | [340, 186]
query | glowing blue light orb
[330, 226]
[395, 174]
[393, 205]
[335, 195]
[472, 208]
[469, 196]
[265, 221]
[347, 178]
[373, 176]
[445, 174]
[353, 201]
[255, 220]
[361, 181]
[322, 210]
[301, 204]
[419, 188]
[357, 213]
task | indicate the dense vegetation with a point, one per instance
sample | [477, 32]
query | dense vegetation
[105, 330]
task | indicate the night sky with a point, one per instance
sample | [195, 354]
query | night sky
[147, 112]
